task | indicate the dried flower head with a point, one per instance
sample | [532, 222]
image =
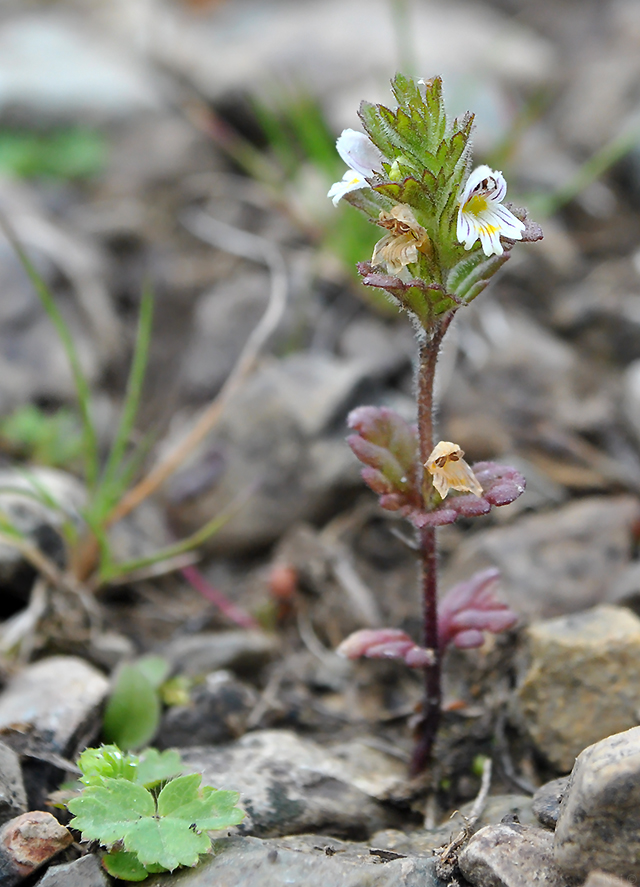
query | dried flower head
[400, 246]
[363, 159]
[450, 471]
[482, 215]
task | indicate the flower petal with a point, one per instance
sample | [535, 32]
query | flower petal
[359, 152]
[351, 181]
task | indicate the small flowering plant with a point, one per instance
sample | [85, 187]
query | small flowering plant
[447, 231]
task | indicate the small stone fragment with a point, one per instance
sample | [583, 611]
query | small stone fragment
[599, 822]
[27, 842]
[13, 799]
[602, 879]
[58, 697]
[582, 682]
[547, 800]
[83, 872]
[510, 855]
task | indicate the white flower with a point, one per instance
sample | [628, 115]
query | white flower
[482, 214]
[450, 471]
[363, 159]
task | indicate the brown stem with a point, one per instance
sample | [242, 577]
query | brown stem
[430, 721]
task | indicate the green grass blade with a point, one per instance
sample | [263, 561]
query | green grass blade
[83, 392]
[134, 390]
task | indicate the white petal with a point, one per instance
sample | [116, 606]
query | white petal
[479, 173]
[359, 152]
[351, 181]
[512, 227]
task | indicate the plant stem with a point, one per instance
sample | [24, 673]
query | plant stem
[430, 722]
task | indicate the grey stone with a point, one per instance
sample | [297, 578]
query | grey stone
[599, 822]
[582, 681]
[223, 321]
[510, 855]
[423, 842]
[239, 862]
[13, 798]
[290, 784]
[83, 872]
[292, 452]
[217, 712]
[547, 800]
[40, 523]
[59, 697]
[245, 652]
[558, 562]
[56, 67]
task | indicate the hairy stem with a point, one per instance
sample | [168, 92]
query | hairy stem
[430, 722]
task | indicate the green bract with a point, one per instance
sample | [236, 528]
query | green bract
[147, 831]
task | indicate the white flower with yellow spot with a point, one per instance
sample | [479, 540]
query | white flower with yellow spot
[450, 471]
[482, 214]
[363, 159]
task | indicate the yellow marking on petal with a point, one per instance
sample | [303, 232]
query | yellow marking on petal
[489, 229]
[475, 205]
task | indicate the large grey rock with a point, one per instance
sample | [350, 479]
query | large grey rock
[290, 784]
[240, 862]
[59, 697]
[292, 451]
[557, 562]
[13, 798]
[511, 855]
[599, 822]
[245, 652]
[83, 872]
[582, 681]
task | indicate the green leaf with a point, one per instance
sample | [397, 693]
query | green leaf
[155, 668]
[124, 865]
[156, 767]
[167, 841]
[209, 808]
[105, 762]
[133, 711]
[108, 812]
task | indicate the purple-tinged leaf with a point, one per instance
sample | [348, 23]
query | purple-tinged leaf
[385, 643]
[471, 608]
[424, 300]
[388, 447]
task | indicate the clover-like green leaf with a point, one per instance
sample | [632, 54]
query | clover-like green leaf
[108, 761]
[156, 834]
[108, 812]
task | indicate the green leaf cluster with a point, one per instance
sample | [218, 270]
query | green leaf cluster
[427, 163]
[151, 819]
